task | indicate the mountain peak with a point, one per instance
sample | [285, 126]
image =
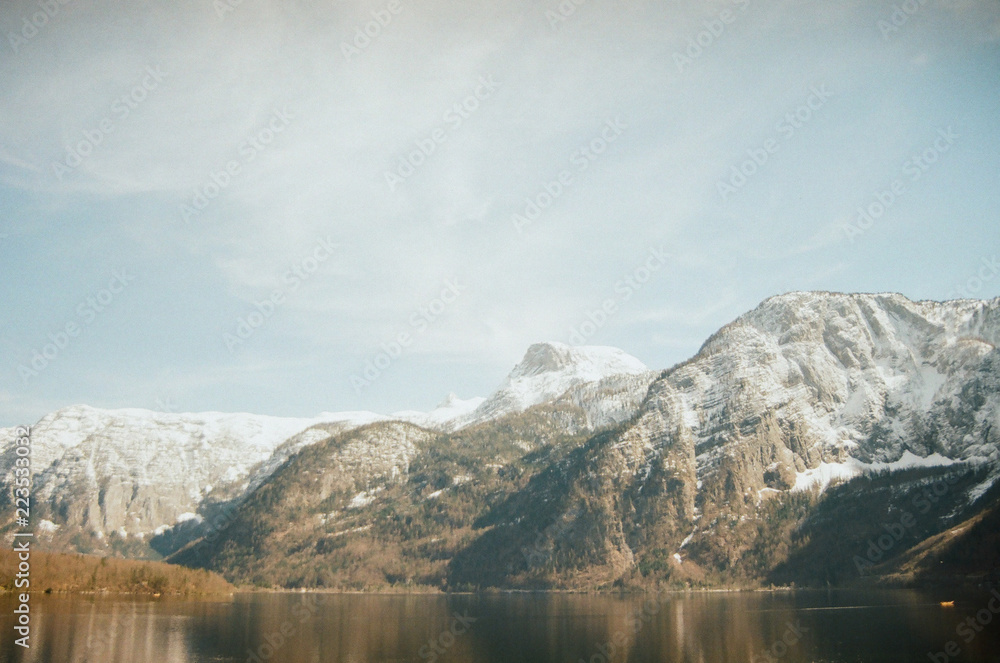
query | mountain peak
[543, 358]
[549, 370]
[589, 363]
[450, 401]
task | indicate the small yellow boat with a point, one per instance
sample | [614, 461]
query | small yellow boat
[947, 604]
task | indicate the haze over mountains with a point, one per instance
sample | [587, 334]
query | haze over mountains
[799, 434]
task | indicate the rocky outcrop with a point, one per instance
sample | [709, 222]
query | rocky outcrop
[805, 389]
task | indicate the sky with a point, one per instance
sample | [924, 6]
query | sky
[299, 207]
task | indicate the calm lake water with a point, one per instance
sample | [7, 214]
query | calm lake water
[791, 627]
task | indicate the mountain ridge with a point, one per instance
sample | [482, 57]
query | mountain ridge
[586, 469]
[138, 473]
[802, 381]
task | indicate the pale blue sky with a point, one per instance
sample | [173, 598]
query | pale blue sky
[336, 125]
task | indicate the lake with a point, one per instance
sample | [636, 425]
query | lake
[716, 627]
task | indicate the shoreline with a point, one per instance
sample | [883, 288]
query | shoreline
[492, 591]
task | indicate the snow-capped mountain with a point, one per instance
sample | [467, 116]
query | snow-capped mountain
[552, 370]
[810, 386]
[863, 376]
[133, 471]
[137, 472]
[724, 468]
[602, 470]
[806, 389]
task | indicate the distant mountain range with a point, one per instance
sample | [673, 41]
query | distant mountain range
[821, 439]
[136, 473]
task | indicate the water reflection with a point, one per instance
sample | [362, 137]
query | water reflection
[837, 627]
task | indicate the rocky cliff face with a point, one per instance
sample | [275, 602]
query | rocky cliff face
[867, 375]
[807, 388]
[129, 472]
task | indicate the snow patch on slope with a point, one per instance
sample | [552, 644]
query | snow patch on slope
[826, 473]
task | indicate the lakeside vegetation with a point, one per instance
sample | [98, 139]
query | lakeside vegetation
[58, 572]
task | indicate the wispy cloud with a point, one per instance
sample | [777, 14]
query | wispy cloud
[222, 80]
